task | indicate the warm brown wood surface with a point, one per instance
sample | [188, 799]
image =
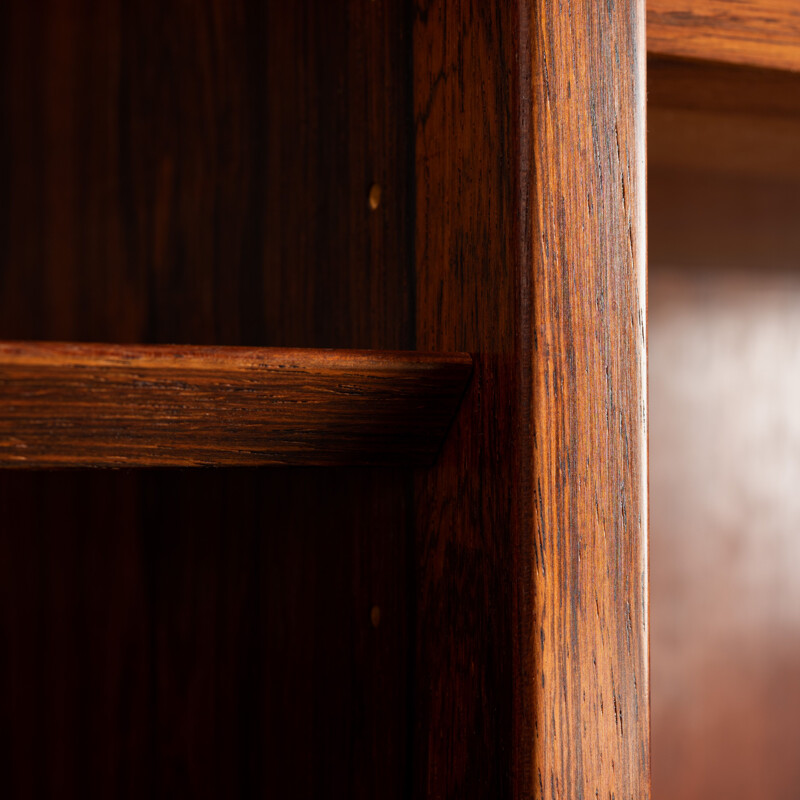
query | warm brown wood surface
[95, 405]
[589, 402]
[202, 172]
[531, 253]
[199, 173]
[763, 33]
[707, 86]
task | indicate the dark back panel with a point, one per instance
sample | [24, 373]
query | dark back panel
[199, 173]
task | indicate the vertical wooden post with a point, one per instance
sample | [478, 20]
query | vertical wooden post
[531, 667]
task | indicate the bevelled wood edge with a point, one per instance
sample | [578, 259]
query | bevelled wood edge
[98, 405]
[589, 413]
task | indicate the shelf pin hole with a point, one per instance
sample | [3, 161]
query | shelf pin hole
[374, 196]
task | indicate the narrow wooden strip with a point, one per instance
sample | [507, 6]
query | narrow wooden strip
[73, 405]
[589, 412]
[763, 33]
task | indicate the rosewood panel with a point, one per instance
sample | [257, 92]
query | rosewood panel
[199, 173]
[589, 403]
[471, 173]
[194, 174]
[764, 33]
[76, 405]
[531, 254]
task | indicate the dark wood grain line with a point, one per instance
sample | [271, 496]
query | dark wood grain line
[198, 173]
[589, 558]
[763, 33]
[103, 405]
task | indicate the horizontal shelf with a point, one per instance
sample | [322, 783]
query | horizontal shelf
[82, 405]
[762, 33]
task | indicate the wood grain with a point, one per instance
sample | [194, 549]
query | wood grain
[589, 410]
[179, 172]
[93, 405]
[469, 178]
[763, 33]
[198, 172]
[531, 253]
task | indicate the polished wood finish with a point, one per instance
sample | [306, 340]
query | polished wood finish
[94, 405]
[763, 33]
[530, 253]
[206, 173]
[589, 402]
[199, 173]
[203, 632]
[471, 171]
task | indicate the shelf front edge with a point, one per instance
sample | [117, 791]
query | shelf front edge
[86, 405]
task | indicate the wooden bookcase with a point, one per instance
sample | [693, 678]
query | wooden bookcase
[724, 347]
[452, 195]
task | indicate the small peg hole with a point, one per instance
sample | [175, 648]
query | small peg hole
[374, 196]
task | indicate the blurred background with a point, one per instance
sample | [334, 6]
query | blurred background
[724, 347]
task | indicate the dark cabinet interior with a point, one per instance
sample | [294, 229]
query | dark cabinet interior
[199, 173]
[457, 177]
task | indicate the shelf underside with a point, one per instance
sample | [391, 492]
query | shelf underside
[71, 405]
